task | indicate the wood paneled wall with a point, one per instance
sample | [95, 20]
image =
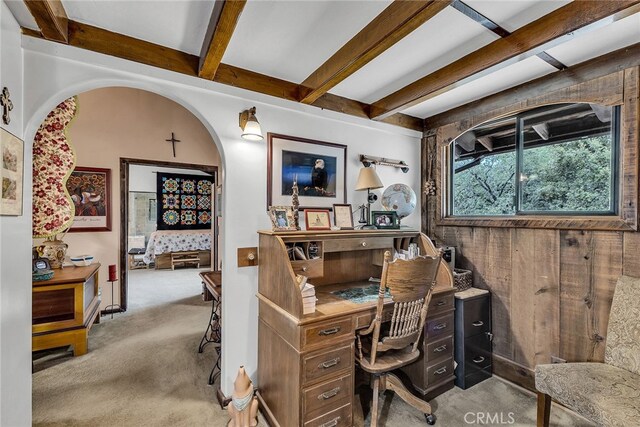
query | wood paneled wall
[551, 287]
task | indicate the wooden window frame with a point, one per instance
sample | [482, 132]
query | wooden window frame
[619, 88]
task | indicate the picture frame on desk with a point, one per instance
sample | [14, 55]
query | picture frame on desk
[282, 218]
[385, 220]
[318, 168]
[317, 219]
[342, 216]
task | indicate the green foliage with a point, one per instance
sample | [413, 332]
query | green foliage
[571, 176]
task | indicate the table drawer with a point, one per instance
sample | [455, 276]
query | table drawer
[440, 349]
[336, 418]
[321, 364]
[441, 301]
[439, 326]
[362, 243]
[326, 397]
[439, 371]
[325, 332]
[310, 268]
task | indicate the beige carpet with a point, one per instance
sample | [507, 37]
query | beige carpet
[143, 369]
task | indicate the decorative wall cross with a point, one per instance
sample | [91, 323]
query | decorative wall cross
[7, 105]
[173, 141]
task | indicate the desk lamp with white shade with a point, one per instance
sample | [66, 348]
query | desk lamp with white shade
[368, 180]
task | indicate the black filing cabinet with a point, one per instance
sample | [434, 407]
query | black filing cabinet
[472, 337]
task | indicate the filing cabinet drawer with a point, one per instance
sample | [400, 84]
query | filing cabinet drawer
[440, 349]
[441, 301]
[439, 326]
[477, 353]
[477, 316]
[322, 333]
[363, 243]
[321, 364]
[439, 372]
[336, 418]
[326, 397]
[310, 268]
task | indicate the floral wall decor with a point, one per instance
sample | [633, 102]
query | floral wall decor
[53, 162]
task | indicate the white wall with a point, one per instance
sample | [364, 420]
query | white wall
[15, 252]
[143, 178]
[51, 79]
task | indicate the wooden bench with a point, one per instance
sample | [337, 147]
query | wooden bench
[184, 258]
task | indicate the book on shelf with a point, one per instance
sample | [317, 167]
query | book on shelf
[309, 304]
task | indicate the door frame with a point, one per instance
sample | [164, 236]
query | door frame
[124, 216]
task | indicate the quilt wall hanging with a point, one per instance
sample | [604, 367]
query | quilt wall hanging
[184, 201]
[53, 162]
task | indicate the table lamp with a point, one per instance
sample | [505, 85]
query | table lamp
[368, 180]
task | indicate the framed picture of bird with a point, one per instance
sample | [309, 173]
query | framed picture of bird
[317, 169]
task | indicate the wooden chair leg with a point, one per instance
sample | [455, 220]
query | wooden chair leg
[374, 403]
[544, 409]
[394, 384]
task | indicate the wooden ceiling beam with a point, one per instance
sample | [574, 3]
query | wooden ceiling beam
[224, 19]
[51, 18]
[394, 23]
[567, 19]
[121, 46]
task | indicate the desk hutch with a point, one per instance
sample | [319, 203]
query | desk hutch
[306, 361]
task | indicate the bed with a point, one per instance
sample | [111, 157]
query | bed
[166, 242]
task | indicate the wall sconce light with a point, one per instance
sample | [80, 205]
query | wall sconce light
[250, 126]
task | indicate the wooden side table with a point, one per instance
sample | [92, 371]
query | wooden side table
[64, 309]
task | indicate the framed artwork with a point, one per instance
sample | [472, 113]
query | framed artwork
[282, 218]
[11, 174]
[317, 219]
[90, 190]
[342, 217]
[385, 219]
[318, 168]
[184, 202]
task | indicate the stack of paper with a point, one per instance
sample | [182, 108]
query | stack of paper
[308, 298]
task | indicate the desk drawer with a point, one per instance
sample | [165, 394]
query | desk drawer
[310, 268]
[321, 364]
[336, 418]
[442, 301]
[328, 396]
[440, 349]
[439, 371]
[362, 243]
[326, 332]
[439, 326]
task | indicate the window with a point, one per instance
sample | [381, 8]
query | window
[552, 160]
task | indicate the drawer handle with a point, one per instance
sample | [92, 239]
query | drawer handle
[441, 303]
[363, 244]
[329, 363]
[330, 331]
[478, 359]
[329, 394]
[478, 323]
[440, 326]
[440, 349]
[332, 423]
[441, 371]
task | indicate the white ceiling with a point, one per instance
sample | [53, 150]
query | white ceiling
[290, 39]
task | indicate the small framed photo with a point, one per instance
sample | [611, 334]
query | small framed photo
[282, 218]
[385, 219]
[342, 217]
[317, 219]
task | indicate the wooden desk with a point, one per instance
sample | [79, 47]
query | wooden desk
[306, 362]
[64, 308]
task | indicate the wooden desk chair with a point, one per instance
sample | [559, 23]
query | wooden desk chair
[395, 344]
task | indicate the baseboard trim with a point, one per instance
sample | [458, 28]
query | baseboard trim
[514, 372]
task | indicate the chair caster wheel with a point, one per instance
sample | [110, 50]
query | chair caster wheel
[431, 419]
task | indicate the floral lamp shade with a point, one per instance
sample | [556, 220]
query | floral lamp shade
[53, 162]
